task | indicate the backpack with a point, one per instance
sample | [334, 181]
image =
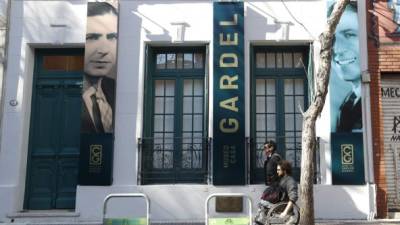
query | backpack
[272, 194]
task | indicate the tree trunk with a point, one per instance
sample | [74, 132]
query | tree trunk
[310, 116]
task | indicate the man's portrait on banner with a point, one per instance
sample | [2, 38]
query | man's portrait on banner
[98, 92]
[345, 80]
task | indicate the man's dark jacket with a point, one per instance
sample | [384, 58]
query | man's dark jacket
[350, 116]
[270, 175]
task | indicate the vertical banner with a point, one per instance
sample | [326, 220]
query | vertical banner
[345, 95]
[394, 7]
[98, 94]
[229, 118]
[347, 159]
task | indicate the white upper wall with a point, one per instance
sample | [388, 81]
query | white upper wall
[157, 19]
[263, 20]
[40, 18]
[271, 20]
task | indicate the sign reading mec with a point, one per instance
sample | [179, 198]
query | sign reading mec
[229, 135]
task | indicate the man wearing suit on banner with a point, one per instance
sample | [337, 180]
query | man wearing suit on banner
[100, 68]
[346, 67]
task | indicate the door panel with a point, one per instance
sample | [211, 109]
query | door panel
[44, 132]
[54, 147]
[43, 171]
[42, 184]
[70, 128]
[66, 182]
[68, 156]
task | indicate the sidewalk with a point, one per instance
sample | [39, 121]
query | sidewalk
[318, 222]
[336, 222]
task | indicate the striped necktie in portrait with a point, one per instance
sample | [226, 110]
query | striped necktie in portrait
[96, 114]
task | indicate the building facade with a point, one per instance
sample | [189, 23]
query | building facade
[169, 108]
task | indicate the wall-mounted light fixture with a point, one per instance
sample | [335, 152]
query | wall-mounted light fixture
[2, 20]
[13, 102]
[365, 76]
[59, 27]
[3, 13]
[180, 28]
[284, 29]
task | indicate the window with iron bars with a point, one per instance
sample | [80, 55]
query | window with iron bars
[174, 148]
[278, 94]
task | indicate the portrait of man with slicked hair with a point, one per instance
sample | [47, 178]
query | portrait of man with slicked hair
[98, 93]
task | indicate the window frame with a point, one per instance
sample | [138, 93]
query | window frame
[278, 75]
[178, 75]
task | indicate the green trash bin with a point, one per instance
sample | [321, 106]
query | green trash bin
[127, 221]
[234, 219]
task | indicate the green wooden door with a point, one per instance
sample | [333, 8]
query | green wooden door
[54, 136]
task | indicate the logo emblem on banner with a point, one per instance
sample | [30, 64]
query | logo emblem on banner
[347, 154]
[96, 154]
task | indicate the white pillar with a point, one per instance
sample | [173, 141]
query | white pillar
[366, 106]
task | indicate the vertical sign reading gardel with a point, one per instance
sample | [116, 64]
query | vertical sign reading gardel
[98, 94]
[229, 134]
[345, 100]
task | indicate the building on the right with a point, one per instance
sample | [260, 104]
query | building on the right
[383, 22]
